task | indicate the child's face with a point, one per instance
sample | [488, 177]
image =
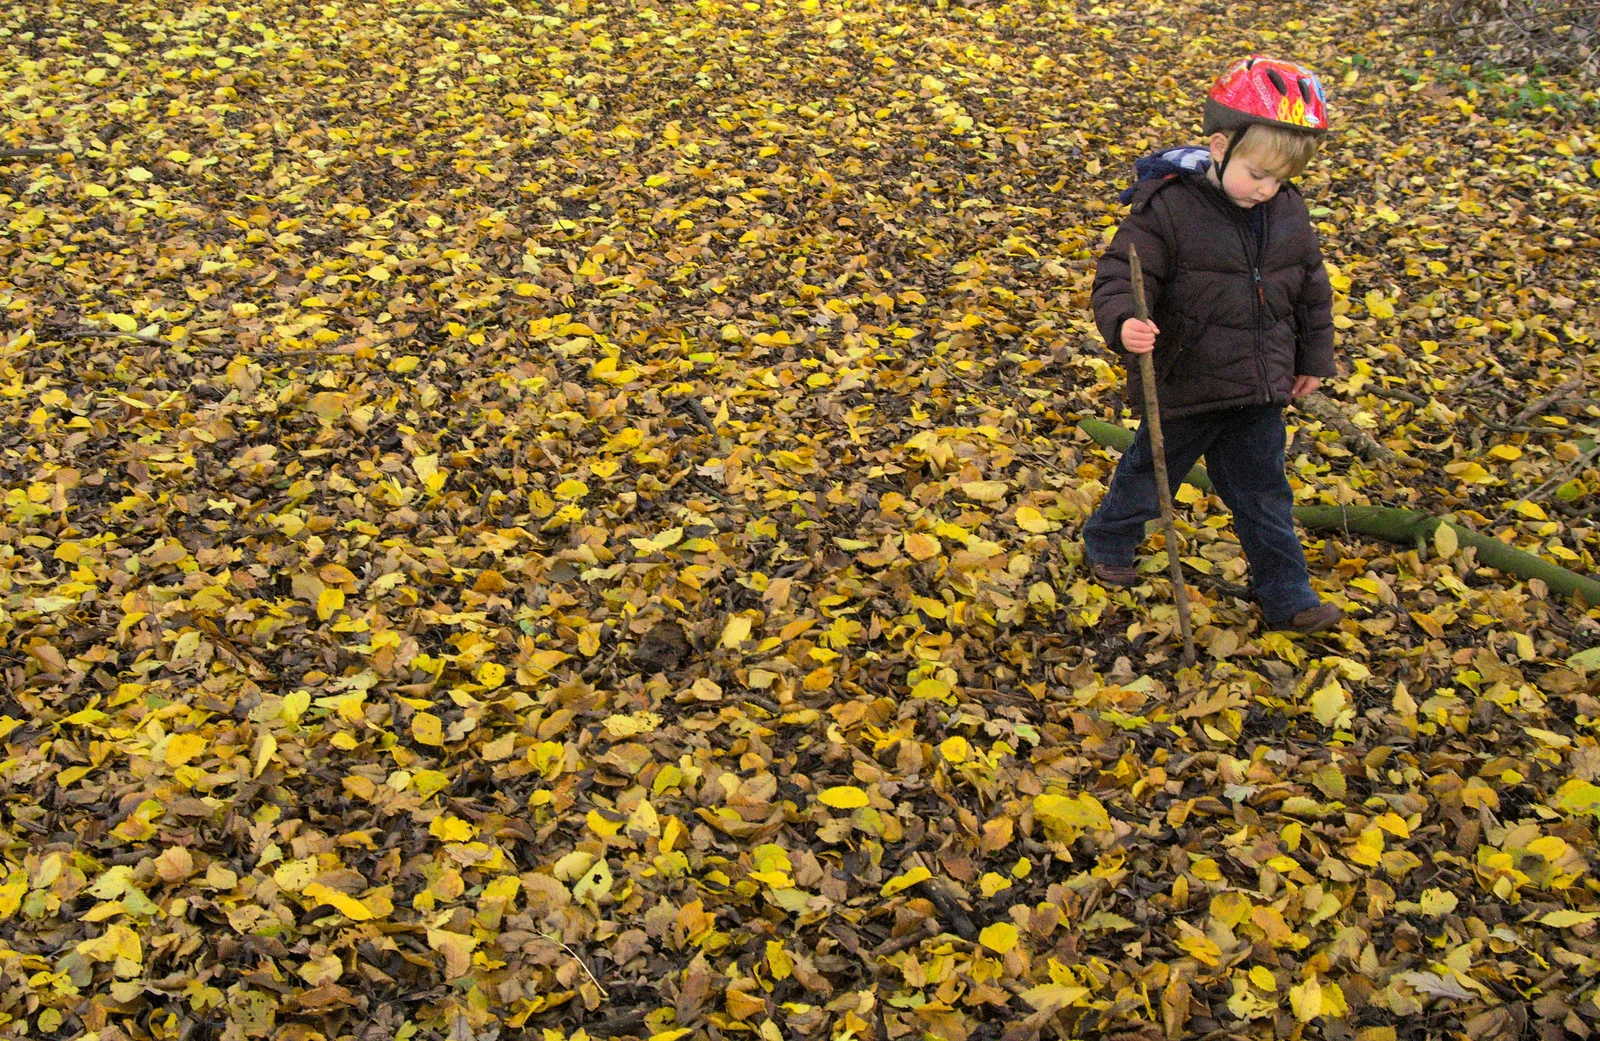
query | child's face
[1251, 177]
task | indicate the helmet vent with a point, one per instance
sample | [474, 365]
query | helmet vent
[1277, 81]
[1305, 89]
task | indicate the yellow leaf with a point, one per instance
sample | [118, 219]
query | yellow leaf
[1436, 903]
[778, 960]
[348, 906]
[571, 489]
[900, 883]
[1531, 510]
[491, 674]
[843, 797]
[736, 632]
[621, 726]
[448, 828]
[743, 1006]
[12, 892]
[921, 546]
[1029, 519]
[541, 662]
[819, 679]
[328, 405]
[266, 748]
[1314, 998]
[1262, 977]
[1048, 997]
[992, 883]
[426, 729]
[1472, 473]
[1510, 453]
[137, 174]
[1065, 817]
[1367, 850]
[597, 882]
[956, 749]
[125, 322]
[1328, 703]
[1568, 918]
[1577, 796]
[183, 747]
[933, 690]
[1199, 945]
[1445, 541]
[404, 364]
[1306, 1000]
[984, 491]
[329, 602]
[1001, 937]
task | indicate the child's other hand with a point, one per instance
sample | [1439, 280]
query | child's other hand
[1304, 385]
[1139, 337]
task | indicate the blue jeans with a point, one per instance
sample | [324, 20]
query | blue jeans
[1244, 459]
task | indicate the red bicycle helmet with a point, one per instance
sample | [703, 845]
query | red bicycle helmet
[1258, 89]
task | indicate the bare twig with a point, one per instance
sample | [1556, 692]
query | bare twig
[1158, 453]
[1559, 479]
[1506, 428]
[581, 964]
[19, 153]
[1575, 383]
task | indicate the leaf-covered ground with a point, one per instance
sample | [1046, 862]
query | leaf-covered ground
[564, 516]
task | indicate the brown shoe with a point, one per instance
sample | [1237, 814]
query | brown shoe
[1112, 575]
[1314, 619]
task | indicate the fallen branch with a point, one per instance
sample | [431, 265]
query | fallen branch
[1575, 383]
[1506, 428]
[1399, 526]
[1332, 415]
[106, 334]
[1395, 393]
[19, 153]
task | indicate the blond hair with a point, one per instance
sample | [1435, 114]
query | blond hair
[1286, 151]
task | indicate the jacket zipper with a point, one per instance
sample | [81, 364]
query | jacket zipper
[1251, 258]
[1254, 261]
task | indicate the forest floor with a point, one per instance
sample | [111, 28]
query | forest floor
[564, 517]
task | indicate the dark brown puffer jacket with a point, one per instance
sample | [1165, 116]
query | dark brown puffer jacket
[1237, 323]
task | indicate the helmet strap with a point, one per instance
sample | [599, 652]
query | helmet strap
[1233, 142]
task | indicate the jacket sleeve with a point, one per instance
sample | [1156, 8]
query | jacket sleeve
[1113, 286]
[1313, 348]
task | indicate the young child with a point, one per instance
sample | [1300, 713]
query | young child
[1241, 323]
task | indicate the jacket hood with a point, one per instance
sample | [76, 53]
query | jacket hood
[1169, 162]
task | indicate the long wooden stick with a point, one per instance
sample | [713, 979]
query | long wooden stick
[1158, 450]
